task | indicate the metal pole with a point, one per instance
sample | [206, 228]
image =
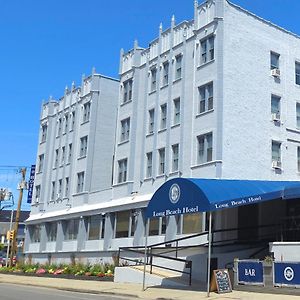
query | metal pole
[8, 242]
[209, 254]
[145, 254]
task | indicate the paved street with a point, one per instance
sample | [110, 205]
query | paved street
[17, 292]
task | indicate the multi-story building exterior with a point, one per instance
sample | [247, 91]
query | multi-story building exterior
[215, 97]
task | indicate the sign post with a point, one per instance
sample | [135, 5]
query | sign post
[209, 254]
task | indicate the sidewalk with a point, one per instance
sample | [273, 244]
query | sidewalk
[132, 290]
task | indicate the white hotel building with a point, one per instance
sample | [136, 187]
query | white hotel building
[214, 97]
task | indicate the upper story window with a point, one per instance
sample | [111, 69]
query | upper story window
[86, 112]
[44, 133]
[153, 79]
[127, 94]
[80, 182]
[151, 121]
[56, 158]
[207, 49]
[53, 190]
[63, 155]
[59, 190]
[165, 80]
[122, 173]
[162, 161]
[275, 107]
[176, 111]
[205, 148]
[178, 66]
[59, 125]
[206, 95]
[83, 146]
[70, 153]
[297, 73]
[276, 154]
[67, 186]
[298, 115]
[149, 165]
[41, 162]
[163, 116]
[125, 130]
[175, 157]
[37, 193]
[73, 121]
[66, 123]
[274, 64]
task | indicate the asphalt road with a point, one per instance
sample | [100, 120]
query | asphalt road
[21, 292]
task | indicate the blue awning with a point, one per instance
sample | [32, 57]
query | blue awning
[191, 195]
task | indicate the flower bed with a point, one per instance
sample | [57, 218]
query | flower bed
[102, 272]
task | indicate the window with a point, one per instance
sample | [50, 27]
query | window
[59, 125]
[206, 97]
[56, 158]
[176, 111]
[178, 66]
[162, 157]
[298, 115]
[151, 121]
[275, 107]
[35, 233]
[67, 187]
[41, 163]
[276, 151]
[165, 80]
[133, 221]
[274, 61]
[125, 128]
[153, 79]
[204, 148]
[207, 50]
[157, 226]
[163, 116]
[127, 95]
[51, 231]
[53, 190]
[80, 182]
[192, 223]
[298, 158]
[44, 133]
[86, 112]
[70, 153]
[66, 123]
[59, 191]
[63, 155]
[122, 175]
[73, 121]
[297, 73]
[175, 153]
[37, 193]
[83, 146]
[71, 229]
[149, 165]
[96, 227]
[122, 224]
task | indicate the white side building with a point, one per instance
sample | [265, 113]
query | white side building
[214, 97]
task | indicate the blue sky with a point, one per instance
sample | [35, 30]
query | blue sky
[45, 45]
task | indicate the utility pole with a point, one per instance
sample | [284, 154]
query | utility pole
[22, 186]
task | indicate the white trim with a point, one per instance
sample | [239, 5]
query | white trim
[112, 205]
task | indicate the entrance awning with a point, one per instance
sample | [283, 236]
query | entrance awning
[191, 195]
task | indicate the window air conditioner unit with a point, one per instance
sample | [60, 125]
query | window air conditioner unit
[276, 117]
[276, 164]
[275, 72]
